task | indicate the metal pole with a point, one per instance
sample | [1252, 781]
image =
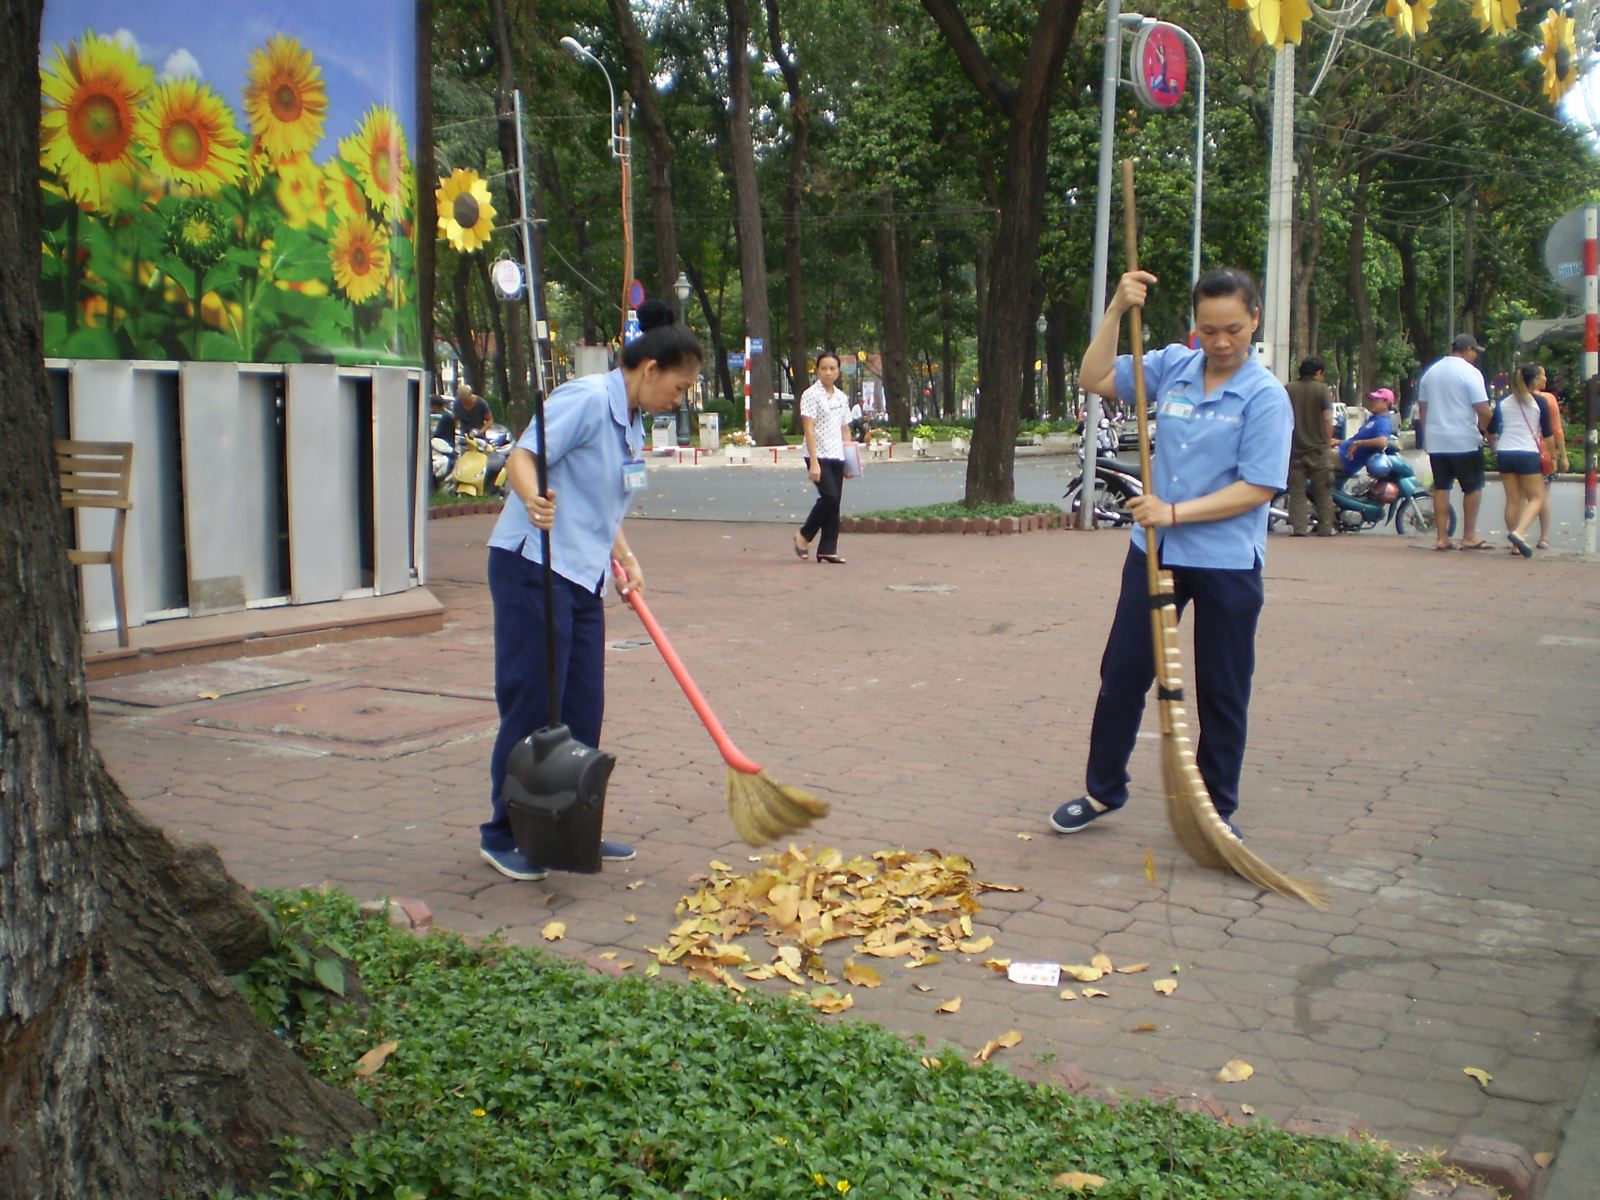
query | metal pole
[747, 385]
[1280, 213]
[1109, 74]
[1452, 269]
[535, 280]
[1591, 364]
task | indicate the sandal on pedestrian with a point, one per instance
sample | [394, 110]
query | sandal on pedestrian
[1541, 544]
[800, 547]
[1479, 545]
[1444, 546]
[1521, 544]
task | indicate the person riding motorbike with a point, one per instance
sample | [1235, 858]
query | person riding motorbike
[1373, 435]
[470, 413]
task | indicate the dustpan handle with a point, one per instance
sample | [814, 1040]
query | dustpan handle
[547, 571]
[719, 735]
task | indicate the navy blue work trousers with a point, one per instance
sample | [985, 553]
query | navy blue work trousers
[517, 591]
[1226, 607]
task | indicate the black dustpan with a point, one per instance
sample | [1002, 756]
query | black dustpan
[555, 787]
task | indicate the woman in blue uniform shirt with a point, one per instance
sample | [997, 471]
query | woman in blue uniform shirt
[594, 442]
[1226, 425]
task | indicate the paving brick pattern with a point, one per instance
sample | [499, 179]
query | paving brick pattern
[1423, 736]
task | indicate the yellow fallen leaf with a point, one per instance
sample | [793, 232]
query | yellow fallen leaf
[720, 866]
[1145, 1028]
[1236, 1071]
[1544, 1158]
[299, 708]
[1102, 964]
[949, 1006]
[209, 695]
[976, 946]
[1080, 1181]
[629, 919]
[636, 885]
[1081, 973]
[1093, 993]
[1247, 1110]
[861, 975]
[997, 964]
[1004, 1042]
[1483, 1077]
[1068, 994]
[933, 1064]
[652, 969]
[1165, 986]
[1024, 837]
[624, 964]
[1150, 866]
[608, 954]
[369, 1062]
[927, 960]
[554, 931]
[829, 1001]
[1133, 968]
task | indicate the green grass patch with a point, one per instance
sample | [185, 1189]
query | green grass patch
[955, 509]
[440, 499]
[517, 1074]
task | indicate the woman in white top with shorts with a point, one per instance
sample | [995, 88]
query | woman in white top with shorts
[1517, 432]
[825, 416]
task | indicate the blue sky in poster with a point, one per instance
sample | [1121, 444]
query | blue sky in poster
[364, 47]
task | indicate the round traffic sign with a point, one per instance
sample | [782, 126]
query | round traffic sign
[635, 294]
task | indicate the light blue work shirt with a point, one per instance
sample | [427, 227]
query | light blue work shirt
[589, 435]
[1242, 430]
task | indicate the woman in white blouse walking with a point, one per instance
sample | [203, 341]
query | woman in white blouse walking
[1517, 433]
[825, 416]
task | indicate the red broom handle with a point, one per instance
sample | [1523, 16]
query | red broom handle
[719, 735]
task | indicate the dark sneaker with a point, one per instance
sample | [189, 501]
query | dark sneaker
[1074, 815]
[617, 852]
[513, 864]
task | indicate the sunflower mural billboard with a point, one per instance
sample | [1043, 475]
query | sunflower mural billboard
[229, 181]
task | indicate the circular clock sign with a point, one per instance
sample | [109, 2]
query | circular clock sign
[508, 278]
[1159, 66]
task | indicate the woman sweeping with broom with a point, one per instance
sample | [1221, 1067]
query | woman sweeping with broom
[1225, 424]
[594, 441]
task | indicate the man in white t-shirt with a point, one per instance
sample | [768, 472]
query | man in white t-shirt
[1454, 414]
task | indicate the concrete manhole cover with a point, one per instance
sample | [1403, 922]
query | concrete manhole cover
[350, 720]
[633, 643]
[921, 587]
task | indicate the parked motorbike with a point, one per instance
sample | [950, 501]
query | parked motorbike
[1116, 484]
[1384, 492]
[443, 461]
[480, 467]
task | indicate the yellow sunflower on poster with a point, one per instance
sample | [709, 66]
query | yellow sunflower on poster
[359, 252]
[1496, 17]
[1559, 54]
[300, 192]
[191, 137]
[284, 97]
[466, 213]
[92, 92]
[382, 164]
[1276, 21]
[1411, 17]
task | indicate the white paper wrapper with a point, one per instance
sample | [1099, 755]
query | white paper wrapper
[1041, 974]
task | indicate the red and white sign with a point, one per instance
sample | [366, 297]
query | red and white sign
[1158, 64]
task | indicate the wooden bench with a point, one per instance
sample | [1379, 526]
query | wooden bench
[97, 475]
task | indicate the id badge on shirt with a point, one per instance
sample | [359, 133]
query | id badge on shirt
[633, 475]
[1173, 406]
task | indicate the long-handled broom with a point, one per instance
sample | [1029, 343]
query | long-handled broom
[762, 809]
[1202, 833]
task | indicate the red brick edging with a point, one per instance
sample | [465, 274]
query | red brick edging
[984, 525]
[440, 511]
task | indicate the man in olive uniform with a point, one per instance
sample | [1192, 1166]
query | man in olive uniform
[1311, 455]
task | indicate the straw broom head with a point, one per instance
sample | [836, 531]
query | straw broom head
[764, 810]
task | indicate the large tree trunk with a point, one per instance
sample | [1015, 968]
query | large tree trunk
[896, 353]
[466, 340]
[115, 1009]
[1006, 333]
[718, 351]
[497, 354]
[547, 172]
[793, 190]
[641, 80]
[752, 244]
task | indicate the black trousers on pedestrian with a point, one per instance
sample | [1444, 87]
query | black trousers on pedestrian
[1226, 607]
[825, 512]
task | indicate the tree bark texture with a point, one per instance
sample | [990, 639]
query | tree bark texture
[1005, 333]
[891, 279]
[466, 342]
[659, 147]
[793, 192]
[115, 1012]
[752, 243]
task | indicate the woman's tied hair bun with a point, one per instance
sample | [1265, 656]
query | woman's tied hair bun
[653, 314]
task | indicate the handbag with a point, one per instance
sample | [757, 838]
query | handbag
[1547, 462]
[852, 461]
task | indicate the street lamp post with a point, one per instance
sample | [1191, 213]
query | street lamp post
[622, 151]
[1040, 325]
[683, 287]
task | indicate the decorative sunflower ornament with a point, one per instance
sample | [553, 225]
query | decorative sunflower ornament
[1496, 17]
[466, 213]
[1411, 17]
[1276, 21]
[1559, 54]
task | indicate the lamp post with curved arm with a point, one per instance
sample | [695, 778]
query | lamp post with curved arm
[622, 151]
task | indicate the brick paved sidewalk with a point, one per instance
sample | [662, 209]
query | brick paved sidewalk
[1422, 741]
